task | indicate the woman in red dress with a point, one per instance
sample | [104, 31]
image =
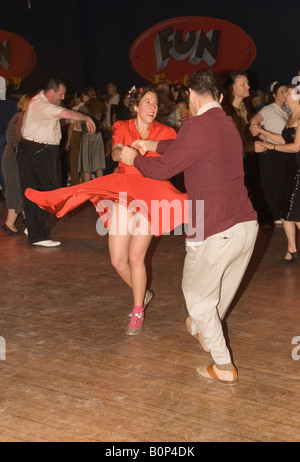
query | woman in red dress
[132, 207]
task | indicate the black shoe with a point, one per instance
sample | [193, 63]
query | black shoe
[9, 231]
[295, 257]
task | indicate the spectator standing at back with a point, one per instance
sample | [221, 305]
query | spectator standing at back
[112, 102]
[237, 91]
[10, 170]
[8, 107]
[73, 142]
[273, 117]
[92, 151]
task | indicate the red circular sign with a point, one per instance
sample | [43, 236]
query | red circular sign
[17, 56]
[173, 50]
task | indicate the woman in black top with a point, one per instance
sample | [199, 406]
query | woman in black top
[289, 142]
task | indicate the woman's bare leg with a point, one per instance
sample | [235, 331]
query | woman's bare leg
[128, 249]
[119, 240]
[85, 177]
[137, 252]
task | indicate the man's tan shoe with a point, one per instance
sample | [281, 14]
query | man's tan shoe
[202, 345]
[213, 373]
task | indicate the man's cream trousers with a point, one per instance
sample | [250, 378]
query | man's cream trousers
[212, 274]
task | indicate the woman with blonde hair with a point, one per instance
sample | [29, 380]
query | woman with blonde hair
[13, 197]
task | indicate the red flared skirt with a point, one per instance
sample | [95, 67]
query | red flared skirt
[163, 205]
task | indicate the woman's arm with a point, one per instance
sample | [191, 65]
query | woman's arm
[258, 130]
[288, 148]
[144, 146]
[116, 152]
[257, 119]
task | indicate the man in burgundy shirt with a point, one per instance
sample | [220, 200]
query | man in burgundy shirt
[209, 150]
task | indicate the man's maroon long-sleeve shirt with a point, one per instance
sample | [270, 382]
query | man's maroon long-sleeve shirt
[209, 150]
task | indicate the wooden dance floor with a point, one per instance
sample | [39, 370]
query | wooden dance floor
[69, 373]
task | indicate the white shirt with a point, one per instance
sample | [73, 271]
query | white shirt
[39, 122]
[275, 118]
[208, 106]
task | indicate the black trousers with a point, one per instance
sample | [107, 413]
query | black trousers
[272, 165]
[40, 169]
[256, 193]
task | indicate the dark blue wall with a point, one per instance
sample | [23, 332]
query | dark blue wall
[87, 42]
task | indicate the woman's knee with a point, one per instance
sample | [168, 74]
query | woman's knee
[136, 260]
[118, 261]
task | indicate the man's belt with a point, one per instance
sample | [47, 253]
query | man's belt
[39, 142]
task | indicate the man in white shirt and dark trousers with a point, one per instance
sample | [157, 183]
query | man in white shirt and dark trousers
[38, 154]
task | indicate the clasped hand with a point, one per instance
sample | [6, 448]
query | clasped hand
[255, 129]
[261, 146]
[129, 153]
